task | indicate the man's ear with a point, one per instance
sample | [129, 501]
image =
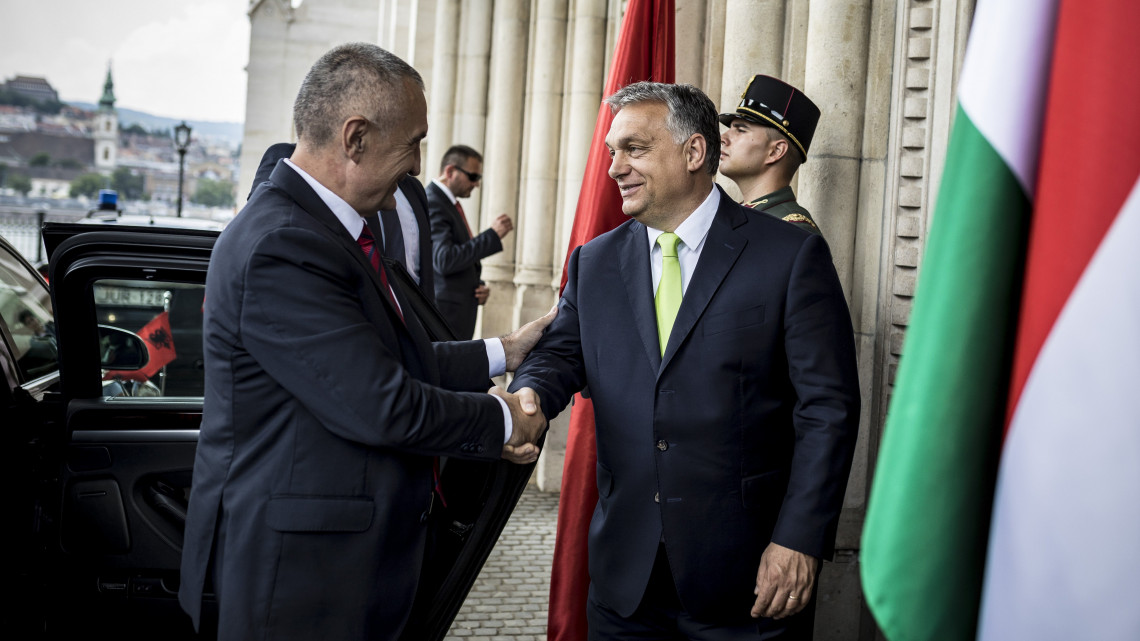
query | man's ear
[696, 150]
[777, 149]
[352, 137]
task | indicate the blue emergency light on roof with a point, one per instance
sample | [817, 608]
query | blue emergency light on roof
[108, 199]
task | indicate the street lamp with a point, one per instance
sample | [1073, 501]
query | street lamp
[182, 141]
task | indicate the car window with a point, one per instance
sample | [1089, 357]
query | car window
[25, 307]
[167, 316]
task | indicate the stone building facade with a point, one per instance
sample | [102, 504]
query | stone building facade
[521, 80]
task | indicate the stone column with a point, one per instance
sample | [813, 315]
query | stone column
[587, 77]
[540, 169]
[509, 33]
[753, 43]
[441, 91]
[689, 28]
[837, 74]
[836, 80]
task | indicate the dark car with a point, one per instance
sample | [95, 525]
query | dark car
[101, 408]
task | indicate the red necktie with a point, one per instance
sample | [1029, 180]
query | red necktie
[464, 217]
[367, 244]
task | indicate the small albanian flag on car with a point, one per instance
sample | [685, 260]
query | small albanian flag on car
[159, 343]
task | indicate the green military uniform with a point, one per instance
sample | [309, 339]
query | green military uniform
[782, 204]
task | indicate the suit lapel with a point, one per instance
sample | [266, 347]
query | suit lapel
[639, 288]
[309, 201]
[723, 247]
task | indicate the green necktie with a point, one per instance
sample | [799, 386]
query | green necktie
[668, 299]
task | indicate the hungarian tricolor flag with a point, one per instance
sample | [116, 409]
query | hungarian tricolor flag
[1024, 349]
[644, 52]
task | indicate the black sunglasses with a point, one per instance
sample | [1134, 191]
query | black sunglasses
[470, 176]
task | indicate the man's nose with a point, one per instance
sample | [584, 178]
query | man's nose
[618, 166]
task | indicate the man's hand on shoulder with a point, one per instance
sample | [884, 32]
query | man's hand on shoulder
[784, 582]
[518, 343]
[529, 424]
[502, 225]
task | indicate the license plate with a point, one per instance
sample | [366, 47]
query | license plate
[129, 296]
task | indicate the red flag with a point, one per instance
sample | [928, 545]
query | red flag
[159, 343]
[645, 51]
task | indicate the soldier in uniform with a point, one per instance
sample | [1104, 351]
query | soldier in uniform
[766, 142]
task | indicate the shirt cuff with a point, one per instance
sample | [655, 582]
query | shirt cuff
[508, 424]
[496, 357]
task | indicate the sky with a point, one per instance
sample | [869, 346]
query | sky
[177, 59]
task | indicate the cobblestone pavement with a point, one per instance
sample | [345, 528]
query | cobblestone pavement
[508, 601]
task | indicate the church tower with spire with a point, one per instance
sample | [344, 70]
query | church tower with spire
[107, 128]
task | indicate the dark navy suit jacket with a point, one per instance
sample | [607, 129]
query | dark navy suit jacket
[743, 433]
[456, 256]
[322, 414]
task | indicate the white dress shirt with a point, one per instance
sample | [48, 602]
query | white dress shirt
[692, 232]
[410, 228]
[354, 223]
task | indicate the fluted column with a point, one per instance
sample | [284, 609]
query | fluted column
[587, 71]
[692, 56]
[540, 170]
[441, 92]
[836, 80]
[503, 156]
[753, 43]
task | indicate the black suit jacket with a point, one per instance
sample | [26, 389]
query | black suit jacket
[743, 433]
[414, 191]
[322, 414]
[455, 257]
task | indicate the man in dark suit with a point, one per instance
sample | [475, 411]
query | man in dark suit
[726, 404]
[404, 231]
[325, 403]
[456, 251]
[766, 140]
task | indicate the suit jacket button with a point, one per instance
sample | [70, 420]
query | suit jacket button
[479, 448]
[656, 497]
[662, 445]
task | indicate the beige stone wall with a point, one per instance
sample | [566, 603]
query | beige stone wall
[521, 81]
[284, 43]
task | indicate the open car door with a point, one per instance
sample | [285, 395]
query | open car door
[120, 449]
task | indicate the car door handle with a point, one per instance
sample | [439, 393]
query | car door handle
[160, 497]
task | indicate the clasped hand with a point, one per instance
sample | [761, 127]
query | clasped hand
[529, 425]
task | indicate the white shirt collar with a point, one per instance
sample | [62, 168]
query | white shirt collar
[446, 191]
[343, 211]
[692, 230]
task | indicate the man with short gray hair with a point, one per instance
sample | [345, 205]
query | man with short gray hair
[326, 404]
[717, 349]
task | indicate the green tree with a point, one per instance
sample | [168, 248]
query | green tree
[42, 159]
[69, 163]
[213, 193]
[135, 128]
[128, 184]
[20, 183]
[88, 185]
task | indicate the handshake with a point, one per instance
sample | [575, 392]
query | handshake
[526, 415]
[529, 425]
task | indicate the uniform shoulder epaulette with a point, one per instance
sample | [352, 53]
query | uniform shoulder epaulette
[799, 218]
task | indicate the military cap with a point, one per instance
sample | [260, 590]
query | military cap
[774, 103]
